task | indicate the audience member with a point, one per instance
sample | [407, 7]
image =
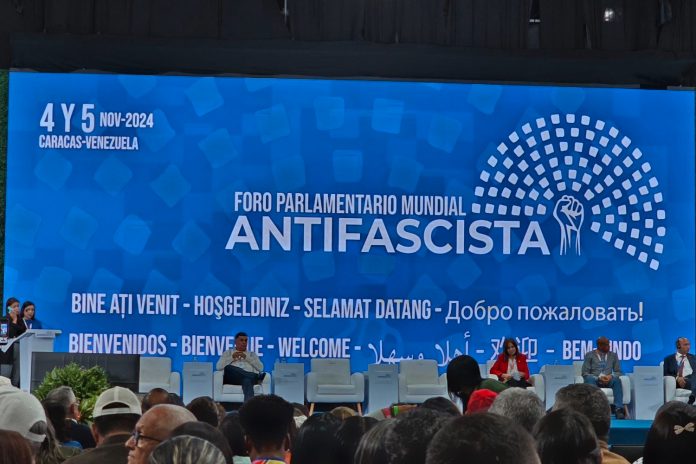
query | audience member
[348, 436]
[480, 401]
[565, 436]
[206, 432]
[231, 429]
[9, 366]
[266, 421]
[14, 449]
[343, 412]
[116, 413]
[441, 404]
[175, 399]
[482, 438]
[316, 440]
[511, 366]
[681, 366]
[300, 414]
[205, 410]
[672, 436]
[56, 415]
[52, 451]
[371, 449]
[23, 413]
[522, 406]
[221, 413]
[186, 449]
[65, 397]
[602, 369]
[407, 441]
[154, 397]
[464, 376]
[589, 400]
[155, 426]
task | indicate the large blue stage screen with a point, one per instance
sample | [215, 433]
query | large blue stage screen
[340, 218]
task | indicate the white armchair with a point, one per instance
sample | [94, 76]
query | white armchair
[418, 381]
[157, 373]
[625, 386]
[234, 393]
[537, 381]
[330, 381]
[672, 392]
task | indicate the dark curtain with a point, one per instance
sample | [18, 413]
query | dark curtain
[381, 24]
[252, 19]
[183, 18]
[501, 24]
[18, 16]
[333, 20]
[562, 25]
[69, 16]
[677, 31]
[423, 21]
[122, 17]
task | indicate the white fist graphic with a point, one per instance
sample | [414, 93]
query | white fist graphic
[570, 214]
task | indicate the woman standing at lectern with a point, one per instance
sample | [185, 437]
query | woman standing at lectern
[28, 316]
[15, 329]
[511, 367]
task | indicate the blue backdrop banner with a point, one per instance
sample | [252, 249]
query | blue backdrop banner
[372, 220]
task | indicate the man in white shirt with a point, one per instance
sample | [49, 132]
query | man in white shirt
[681, 366]
[241, 367]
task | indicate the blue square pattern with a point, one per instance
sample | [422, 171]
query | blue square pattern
[632, 277]
[104, 280]
[463, 271]
[210, 285]
[568, 99]
[330, 112]
[387, 115]
[683, 303]
[404, 173]
[377, 266]
[318, 265]
[52, 284]
[158, 283]
[137, 86]
[171, 186]
[484, 97]
[156, 138]
[289, 173]
[347, 165]
[22, 225]
[132, 234]
[649, 333]
[534, 290]
[204, 96]
[425, 288]
[53, 169]
[249, 259]
[78, 228]
[272, 123]
[269, 285]
[218, 148]
[191, 242]
[444, 133]
[569, 263]
[112, 175]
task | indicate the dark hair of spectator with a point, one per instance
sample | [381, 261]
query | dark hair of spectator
[300, 410]
[186, 449]
[55, 413]
[481, 438]
[206, 432]
[25, 305]
[589, 400]
[113, 423]
[266, 420]
[50, 449]
[175, 399]
[205, 410]
[463, 376]
[154, 397]
[565, 436]
[316, 442]
[231, 429]
[441, 404]
[348, 436]
[371, 449]
[408, 440]
[15, 449]
[672, 436]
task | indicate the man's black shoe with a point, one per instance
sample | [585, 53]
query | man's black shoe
[620, 414]
[691, 399]
[262, 375]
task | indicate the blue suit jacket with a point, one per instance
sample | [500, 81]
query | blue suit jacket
[670, 365]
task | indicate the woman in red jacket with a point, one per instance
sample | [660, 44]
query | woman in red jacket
[511, 366]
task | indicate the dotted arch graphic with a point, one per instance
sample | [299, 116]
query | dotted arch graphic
[588, 159]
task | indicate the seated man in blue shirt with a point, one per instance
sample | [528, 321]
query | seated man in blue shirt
[241, 367]
[601, 368]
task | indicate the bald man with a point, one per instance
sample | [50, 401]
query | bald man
[154, 427]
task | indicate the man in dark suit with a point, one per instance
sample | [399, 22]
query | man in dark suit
[681, 366]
